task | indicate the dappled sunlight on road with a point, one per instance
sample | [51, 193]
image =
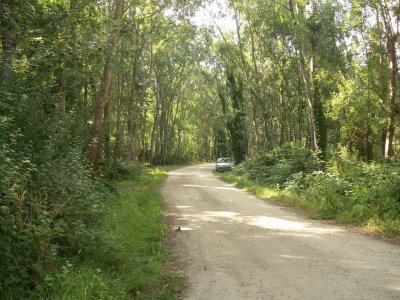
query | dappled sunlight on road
[222, 214]
[393, 287]
[176, 173]
[293, 256]
[282, 224]
[231, 241]
[299, 229]
[228, 188]
[184, 206]
[186, 228]
[198, 220]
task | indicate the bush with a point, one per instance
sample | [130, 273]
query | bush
[278, 166]
[128, 262]
[46, 208]
[352, 190]
[348, 189]
[125, 171]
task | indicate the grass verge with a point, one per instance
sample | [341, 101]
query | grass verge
[126, 260]
[265, 192]
[313, 209]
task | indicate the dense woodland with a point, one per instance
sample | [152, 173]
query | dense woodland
[90, 86]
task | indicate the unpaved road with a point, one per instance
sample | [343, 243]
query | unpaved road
[234, 246]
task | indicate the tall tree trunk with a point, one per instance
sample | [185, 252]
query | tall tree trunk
[281, 107]
[131, 119]
[268, 132]
[320, 127]
[389, 151]
[153, 143]
[102, 97]
[118, 137]
[306, 77]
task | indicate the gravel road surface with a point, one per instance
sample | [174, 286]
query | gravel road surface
[232, 245]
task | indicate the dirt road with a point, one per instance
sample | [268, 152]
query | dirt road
[235, 246]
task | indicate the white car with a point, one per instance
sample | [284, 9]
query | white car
[223, 164]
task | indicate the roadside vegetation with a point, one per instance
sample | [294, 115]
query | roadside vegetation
[346, 189]
[113, 249]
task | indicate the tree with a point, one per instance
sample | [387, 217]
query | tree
[101, 110]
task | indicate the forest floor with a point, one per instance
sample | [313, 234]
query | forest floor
[232, 245]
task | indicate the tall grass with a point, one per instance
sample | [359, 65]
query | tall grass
[126, 261]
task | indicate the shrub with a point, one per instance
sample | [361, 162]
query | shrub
[46, 208]
[125, 171]
[348, 189]
[278, 166]
[352, 190]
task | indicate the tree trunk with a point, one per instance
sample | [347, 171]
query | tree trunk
[153, 143]
[268, 133]
[389, 151]
[306, 78]
[102, 97]
[118, 137]
[320, 127]
[281, 106]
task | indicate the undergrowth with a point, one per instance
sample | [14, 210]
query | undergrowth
[347, 190]
[125, 258]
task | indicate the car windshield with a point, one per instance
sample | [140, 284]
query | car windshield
[222, 160]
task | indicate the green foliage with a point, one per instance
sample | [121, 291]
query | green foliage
[236, 128]
[126, 259]
[236, 125]
[125, 171]
[348, 190]
[321, 129]
[354, 191]
[46, 211]
[278, 166]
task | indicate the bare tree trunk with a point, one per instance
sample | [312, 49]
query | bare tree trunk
[102, 97]
[154, 130]
[389, 151]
